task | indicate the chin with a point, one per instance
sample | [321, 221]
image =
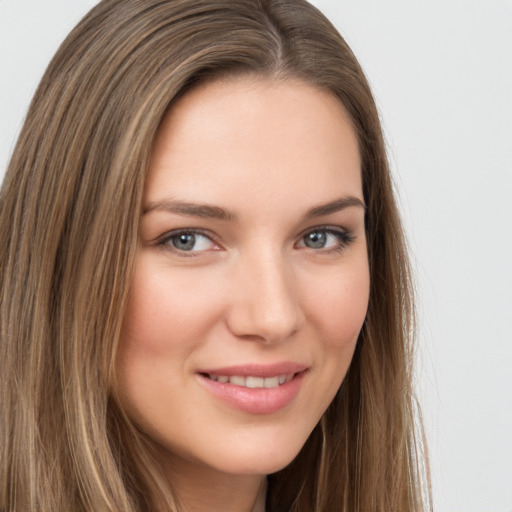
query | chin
[262, 458]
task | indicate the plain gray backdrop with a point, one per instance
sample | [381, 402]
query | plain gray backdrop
[442, 75]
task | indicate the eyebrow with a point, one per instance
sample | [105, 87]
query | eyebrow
[206, 211]
[334, 206]
[203, 211]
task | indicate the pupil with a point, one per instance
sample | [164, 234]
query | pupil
[315, 240]
[184, 242]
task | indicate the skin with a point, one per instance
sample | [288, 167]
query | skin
[252, 289]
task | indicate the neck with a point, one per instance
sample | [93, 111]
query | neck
[201, 489]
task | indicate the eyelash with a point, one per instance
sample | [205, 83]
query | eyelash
[164, 242]
[344, 238]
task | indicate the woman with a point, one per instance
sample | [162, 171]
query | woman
[205, 280]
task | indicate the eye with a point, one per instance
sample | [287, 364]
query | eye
[326, 239]
[188, 241]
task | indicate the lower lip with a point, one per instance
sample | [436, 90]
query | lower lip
[255, 400]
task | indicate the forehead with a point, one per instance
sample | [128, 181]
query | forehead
[245, 140]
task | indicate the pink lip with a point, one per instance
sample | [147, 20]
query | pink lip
[256, 400]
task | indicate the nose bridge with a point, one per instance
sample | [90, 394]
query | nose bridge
[266, 305]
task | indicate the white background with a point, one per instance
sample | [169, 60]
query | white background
[442, 75]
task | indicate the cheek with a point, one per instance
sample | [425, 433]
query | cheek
[168, 317]
[337, 316]
[342, 309]
[167, 311]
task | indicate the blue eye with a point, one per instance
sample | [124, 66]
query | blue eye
[316, 240]
[326, 239]
[188, 241]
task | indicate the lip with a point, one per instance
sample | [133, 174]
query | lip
[255, 400]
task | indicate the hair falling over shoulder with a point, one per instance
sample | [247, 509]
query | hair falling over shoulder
[81, 158]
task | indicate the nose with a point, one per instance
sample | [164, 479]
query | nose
[264, 303]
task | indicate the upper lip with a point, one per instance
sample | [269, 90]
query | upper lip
[257, 370]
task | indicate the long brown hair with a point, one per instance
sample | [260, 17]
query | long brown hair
[69, 212]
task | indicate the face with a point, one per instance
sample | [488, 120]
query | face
[251, 281]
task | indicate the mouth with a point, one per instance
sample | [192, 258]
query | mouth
[255, 389]
[252, 381]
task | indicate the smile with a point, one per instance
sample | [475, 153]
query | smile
[253, 382]
[255, 389]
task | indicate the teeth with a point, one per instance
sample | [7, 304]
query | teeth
[253, 382]
[271, 382]
[238, 381]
